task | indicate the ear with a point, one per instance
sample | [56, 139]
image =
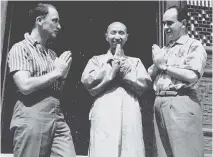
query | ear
[127, 35]
[106, 37]
[39, 20]
[184, 22]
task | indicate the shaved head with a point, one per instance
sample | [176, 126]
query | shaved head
[116, 24]
[116, 34]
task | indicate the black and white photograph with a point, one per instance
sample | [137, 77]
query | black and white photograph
[106, 78]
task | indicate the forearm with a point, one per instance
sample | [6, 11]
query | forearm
[138, 86]
[182, 74]
[95, 80]
[135, 77]
[137, 81]
[153, 71]
[99, 88]
[28, 85]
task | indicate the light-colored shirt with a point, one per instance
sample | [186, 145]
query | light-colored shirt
[186, 53]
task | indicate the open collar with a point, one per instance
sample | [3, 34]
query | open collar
[30, 40]
[182, 40]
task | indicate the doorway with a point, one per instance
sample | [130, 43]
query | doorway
[83, 27]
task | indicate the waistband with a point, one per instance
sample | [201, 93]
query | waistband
[37, 96]
[180, 92]
[166, 93]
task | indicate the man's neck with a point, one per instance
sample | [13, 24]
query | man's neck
[171, 42]
[113, 51]
[36, 35]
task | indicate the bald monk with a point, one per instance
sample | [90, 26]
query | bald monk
[116, 81]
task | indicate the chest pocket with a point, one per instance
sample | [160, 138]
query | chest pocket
[175, 58]
[178, 58]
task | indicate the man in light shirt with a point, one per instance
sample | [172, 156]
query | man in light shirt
[176, 72]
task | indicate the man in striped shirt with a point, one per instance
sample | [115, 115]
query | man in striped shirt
[38, 124]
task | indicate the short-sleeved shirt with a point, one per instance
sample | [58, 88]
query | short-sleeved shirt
[30, 55]
[186, 53]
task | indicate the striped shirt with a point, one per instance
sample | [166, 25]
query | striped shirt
[29, 55]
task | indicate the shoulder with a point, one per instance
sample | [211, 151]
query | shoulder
[98, 58]
[134, 59]
[19, 53]
[19, 48]
[195, 43]
[20, 44]
[196, 48]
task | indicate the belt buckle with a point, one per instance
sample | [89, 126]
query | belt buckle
[171, 93]
[157, 92]
[166, 93]
[163, 93]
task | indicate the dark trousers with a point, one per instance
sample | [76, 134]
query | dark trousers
[178, 127]
[40, 130]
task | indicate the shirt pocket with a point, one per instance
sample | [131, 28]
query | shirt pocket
[177, 58]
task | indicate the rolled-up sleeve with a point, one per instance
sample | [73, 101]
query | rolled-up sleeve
[96, 76]
[19, 59]
[153, 71]
[196, 58]
[137, 79]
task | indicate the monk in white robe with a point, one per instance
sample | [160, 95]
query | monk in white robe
[116, 81]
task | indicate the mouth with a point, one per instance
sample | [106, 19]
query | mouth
[56, 31]
[168, 32]
[116, 42]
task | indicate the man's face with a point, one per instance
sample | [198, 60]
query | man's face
[116, 34]
[50, 23]
[172, 27]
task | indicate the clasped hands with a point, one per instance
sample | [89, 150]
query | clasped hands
[62, 64]
[120, 64]
[158, 57]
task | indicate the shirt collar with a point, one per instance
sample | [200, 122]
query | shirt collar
[182, 40]
[30, 40]
[109, 54]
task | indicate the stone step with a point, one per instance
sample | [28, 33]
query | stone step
[11, 155]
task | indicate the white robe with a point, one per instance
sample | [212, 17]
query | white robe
[116, 121]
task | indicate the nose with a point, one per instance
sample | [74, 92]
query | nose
[117, 36]
[165, 26]
[59, 26]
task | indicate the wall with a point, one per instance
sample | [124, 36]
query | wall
[3, 21]
[200, 27]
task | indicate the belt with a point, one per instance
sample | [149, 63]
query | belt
[37, 96]
[166, 93]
